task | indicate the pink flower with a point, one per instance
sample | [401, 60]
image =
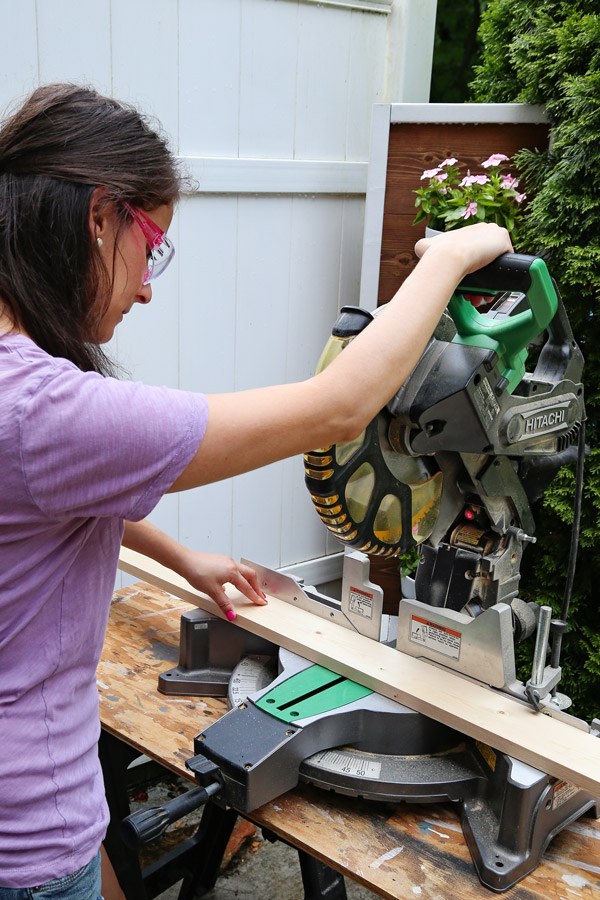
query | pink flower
[470, 210]
[494, 160]
[429, 173]
[441, 176]
[469, 179]
[520, 197]
[448, 162]
[509, 183]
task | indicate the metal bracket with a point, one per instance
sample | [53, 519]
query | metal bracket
[362, 601]
[481, 648]
[360, 608]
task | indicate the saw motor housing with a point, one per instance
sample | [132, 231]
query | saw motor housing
[470, 440]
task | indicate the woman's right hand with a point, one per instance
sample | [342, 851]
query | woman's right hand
[477, 245]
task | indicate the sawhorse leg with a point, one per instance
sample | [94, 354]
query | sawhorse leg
[196, 860]
[319, 880]
[115, 756]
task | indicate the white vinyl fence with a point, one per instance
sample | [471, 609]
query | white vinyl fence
[268, 103]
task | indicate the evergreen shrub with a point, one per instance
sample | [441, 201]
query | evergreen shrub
[548, 53]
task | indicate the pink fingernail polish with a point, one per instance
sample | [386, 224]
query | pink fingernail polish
[230, 615]
[264, 596]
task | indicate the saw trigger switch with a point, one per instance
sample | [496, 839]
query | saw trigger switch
[205, 770]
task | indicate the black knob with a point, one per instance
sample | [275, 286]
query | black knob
[146, 825]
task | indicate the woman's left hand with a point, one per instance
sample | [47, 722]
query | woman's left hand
[208, 572]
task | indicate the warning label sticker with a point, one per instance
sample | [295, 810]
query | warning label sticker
[486, 403]
[361, 603]
[435, 637]
[488, 754]
[563, 791]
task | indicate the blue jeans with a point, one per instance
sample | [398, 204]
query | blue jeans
[85, 884]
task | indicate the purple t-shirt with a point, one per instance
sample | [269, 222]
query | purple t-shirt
[79, 453]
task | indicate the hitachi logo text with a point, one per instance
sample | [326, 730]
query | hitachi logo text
[545, 420]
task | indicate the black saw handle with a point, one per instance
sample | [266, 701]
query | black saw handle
[510, 272]
[147, 824]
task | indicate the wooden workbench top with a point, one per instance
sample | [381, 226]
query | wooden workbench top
[397, 851]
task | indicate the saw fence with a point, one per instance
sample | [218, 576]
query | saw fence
[553, 745]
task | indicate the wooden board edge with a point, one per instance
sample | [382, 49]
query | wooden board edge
[502, 722]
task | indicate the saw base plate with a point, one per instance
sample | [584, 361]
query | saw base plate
[509, 810]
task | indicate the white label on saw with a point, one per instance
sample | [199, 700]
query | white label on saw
[435, 637]
[334, 761]
[361, 603]
[563, 791]
[486, 401]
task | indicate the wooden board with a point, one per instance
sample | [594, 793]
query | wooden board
[504, 723]
[397, 851]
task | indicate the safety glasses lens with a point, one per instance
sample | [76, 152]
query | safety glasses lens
[161, 248]
[159, 259]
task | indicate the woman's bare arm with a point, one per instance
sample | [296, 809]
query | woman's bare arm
[253, 428]
[207, 572]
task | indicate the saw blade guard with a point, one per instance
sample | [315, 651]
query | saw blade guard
[367, 494]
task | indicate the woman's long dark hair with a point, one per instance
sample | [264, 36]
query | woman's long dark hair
[60, 145]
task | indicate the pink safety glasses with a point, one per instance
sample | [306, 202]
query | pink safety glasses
[161, 248]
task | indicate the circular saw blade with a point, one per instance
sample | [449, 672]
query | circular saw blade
[370, 496]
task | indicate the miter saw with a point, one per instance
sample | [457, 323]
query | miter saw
[452, 464]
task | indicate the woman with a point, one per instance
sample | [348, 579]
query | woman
[87, 191]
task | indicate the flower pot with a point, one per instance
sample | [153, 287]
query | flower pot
[432, 232]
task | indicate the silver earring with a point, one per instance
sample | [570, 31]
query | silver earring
[99, 241]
